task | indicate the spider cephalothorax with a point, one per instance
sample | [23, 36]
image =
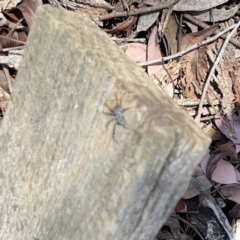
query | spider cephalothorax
[117, 116]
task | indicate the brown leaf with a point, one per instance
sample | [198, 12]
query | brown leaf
[136, 51]
[181, 206]
[97, 3]
[225, 150]
[212, 164]
[232, 192]
[234, 213]
[17, 35]
[216, 14]
[153, 52]
[197, 5]
[22, 36]
[145, 21]
[193, 38]
[230, 150]
[125, 25]
[12, 16]
[26, 9]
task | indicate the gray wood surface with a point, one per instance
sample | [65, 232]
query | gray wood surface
[62, 175]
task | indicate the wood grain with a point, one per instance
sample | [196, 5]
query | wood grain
[62, 175]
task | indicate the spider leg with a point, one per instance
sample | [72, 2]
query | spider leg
[109, 122]
[118, 99]
[109, 114]
[134, 130]
[126, 109]
[114, 131]
[109, 106]
[125, 125]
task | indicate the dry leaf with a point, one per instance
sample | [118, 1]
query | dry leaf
[96, 3]
[224, 173]
[232, 192]
[171, 32]
[145, 21]
[136, 51]
[181, 206]
[25, 9]
[216, 14]
[225, 129]
[197, 5]
[166, 75]
[153, 52]
[175, 227]
[192, 191]
[124, 26]
[189, 61]
[234, 213]
[220, 153]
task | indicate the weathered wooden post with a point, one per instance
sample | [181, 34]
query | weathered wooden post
[62, 174]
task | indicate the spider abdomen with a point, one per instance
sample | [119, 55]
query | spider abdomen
[118, 115]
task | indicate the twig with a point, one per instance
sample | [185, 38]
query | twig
[236, 26]
[139, 11]
[129, 39]
[13, 48]
[205, 113]
[207, 118]
[193, 102]
[214, 206]
[192, 226]
[187, 50]
[9, 35]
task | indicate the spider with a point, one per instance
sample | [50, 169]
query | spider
[117, 115]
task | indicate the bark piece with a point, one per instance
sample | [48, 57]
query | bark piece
[62, 174]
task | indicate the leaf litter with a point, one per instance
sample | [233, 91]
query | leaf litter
[179, 43]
